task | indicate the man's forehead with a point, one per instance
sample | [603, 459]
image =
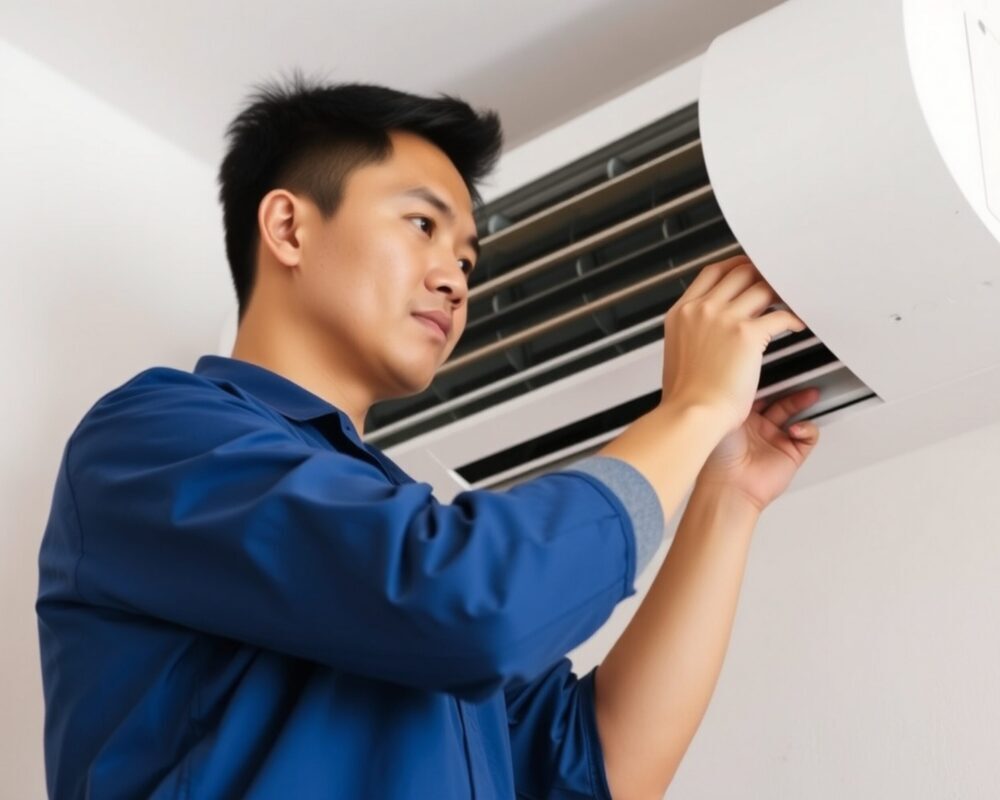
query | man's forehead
[421, 162]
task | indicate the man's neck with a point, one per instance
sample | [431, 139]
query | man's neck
[297, 362]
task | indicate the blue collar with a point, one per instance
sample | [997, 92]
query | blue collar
[283, 395]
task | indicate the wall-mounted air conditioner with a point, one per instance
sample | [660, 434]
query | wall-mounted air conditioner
[850, 147]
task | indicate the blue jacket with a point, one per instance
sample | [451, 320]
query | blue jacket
[238, 597]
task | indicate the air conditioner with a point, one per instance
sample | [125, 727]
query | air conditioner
[850, 147]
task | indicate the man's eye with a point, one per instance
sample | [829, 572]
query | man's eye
[428, 220]
[468, 265]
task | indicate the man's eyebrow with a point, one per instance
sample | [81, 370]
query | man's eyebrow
[427, 195]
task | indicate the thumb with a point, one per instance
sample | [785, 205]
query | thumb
[806, 433]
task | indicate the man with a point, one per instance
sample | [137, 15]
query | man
[239, 597]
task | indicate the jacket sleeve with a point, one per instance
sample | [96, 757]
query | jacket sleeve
[554, 741]
[207, 514]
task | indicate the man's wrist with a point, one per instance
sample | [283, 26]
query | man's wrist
[708, 416]
[727, 495]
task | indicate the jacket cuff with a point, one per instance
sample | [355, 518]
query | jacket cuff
[636, 495]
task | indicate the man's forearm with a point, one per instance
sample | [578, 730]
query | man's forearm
[654, 686]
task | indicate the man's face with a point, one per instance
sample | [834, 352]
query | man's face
[385, 254]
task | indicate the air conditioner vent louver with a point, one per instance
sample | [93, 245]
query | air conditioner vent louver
[578, 269]
[594, 169]
[612, 419]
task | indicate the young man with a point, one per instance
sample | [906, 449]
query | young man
[239, 597]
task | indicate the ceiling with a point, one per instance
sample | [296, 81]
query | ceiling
[183, 68]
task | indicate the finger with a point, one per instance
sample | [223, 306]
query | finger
[754, 300]
[787, 407]
[804, 433]
[777, 322]
[735, 282]
[710, 275]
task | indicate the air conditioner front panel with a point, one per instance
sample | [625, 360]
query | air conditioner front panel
[842, 165]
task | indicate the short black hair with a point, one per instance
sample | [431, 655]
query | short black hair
[308, 136]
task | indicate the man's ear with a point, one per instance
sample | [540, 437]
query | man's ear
[279, 221]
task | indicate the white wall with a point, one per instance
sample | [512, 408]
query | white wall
[113, 261]
[866, 645]
[864, 651]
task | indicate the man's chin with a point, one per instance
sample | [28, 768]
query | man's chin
[409, 385]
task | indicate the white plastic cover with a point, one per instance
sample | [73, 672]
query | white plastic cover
[854, 148]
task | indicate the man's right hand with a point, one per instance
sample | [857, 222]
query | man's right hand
[715, 336]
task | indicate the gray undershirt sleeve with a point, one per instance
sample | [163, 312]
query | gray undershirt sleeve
[636, 494]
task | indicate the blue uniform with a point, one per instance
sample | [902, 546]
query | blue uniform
[238, 597]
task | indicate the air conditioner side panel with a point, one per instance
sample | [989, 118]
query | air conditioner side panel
[822, 160]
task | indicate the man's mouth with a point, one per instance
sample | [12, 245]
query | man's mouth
[433, 327]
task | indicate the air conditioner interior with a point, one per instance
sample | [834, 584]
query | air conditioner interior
[578, 268]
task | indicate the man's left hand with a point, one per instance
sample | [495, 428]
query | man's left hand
[760, 458]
